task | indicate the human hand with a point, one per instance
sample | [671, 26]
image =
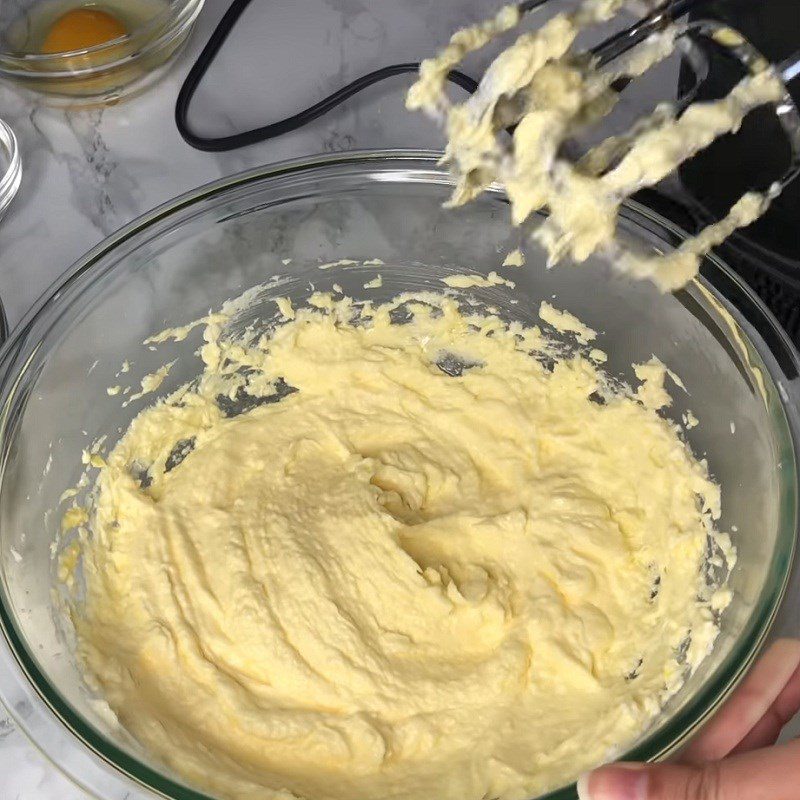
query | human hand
[734, 757]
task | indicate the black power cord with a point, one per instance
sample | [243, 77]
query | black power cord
[218, 144]
[671, 9]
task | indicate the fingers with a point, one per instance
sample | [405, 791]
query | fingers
[752, 718]
[767, 730]
[768, 693]
[769, 774]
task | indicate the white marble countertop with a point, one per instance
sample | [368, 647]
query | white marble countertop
[88, 172]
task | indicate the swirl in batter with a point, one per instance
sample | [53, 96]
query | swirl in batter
[401, 551]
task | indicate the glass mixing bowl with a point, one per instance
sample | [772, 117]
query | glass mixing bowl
[173, 265]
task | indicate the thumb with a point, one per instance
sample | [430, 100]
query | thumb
[769, 774]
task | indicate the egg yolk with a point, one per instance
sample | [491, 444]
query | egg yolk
[82, 28]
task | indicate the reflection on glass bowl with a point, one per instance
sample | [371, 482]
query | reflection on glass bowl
[10, 167]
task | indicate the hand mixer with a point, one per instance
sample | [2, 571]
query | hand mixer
[608, 67]
[548, 91]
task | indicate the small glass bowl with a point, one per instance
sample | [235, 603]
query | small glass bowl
[101, 74]
[10, 167]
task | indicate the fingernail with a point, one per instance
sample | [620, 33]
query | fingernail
[613, 783]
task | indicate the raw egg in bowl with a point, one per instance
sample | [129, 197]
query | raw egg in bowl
[95, 51]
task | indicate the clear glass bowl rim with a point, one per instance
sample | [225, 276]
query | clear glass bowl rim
[21, 346]
[174, 20]
[10, 182]
[10, 179]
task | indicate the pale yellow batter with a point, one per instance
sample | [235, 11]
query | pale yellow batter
[437, 567]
